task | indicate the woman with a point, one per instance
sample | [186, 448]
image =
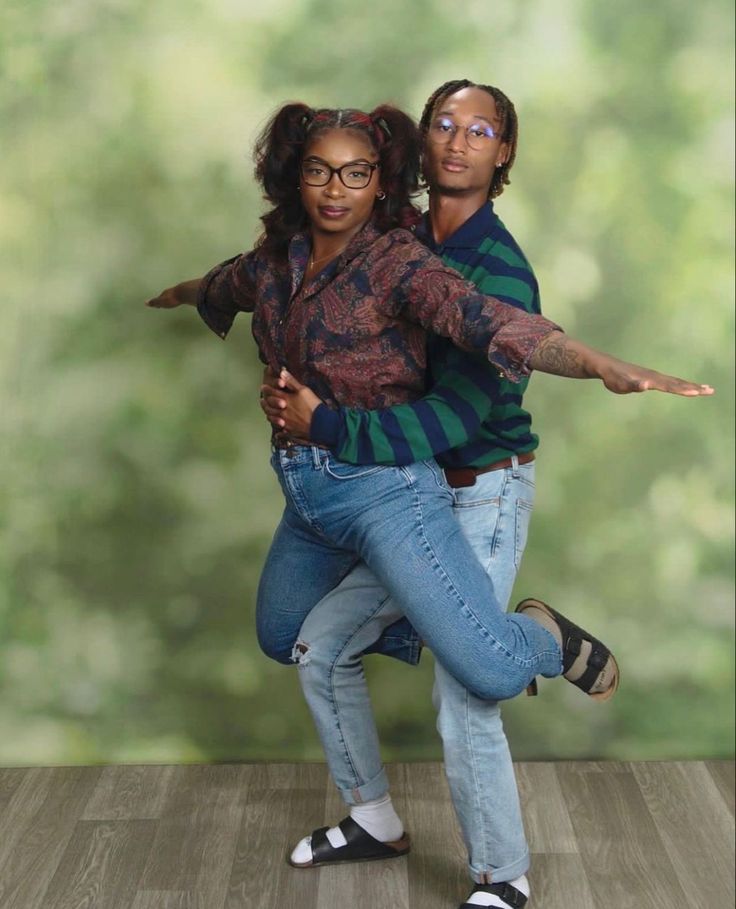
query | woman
[342, 294]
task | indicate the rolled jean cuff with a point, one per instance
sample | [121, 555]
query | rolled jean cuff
[490, 875]
[373, 789]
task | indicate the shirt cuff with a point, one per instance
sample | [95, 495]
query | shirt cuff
[214, 318]
[514, 344]
[325, 426]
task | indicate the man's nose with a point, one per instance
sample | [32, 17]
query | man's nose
[458, 141]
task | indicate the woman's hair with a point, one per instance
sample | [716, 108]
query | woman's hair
[506, 112]
[280, 147]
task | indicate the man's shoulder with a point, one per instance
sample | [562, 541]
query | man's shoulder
[500, 243]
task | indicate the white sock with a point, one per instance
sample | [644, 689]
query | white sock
[377, 817]
[488, 899]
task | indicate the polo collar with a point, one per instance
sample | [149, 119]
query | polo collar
[469, 235]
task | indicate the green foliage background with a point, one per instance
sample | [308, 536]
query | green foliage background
[137, 503]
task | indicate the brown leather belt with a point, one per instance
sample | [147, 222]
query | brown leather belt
[459, 477]
[283, 442]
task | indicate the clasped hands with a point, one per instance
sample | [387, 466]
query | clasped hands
[288, 404]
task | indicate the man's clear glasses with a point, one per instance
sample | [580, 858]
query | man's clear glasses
[353, 176]
[477, 135]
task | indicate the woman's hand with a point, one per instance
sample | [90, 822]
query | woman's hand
[288, 404]
[178, 295]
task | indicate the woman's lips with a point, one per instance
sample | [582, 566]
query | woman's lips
[332, 211]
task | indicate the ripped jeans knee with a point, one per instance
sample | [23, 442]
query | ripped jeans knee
[301, 654]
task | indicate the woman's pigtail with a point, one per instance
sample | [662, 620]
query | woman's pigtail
[278, 150]
[277, 154]
[399, 154]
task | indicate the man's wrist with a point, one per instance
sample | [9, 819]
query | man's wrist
[325, 426]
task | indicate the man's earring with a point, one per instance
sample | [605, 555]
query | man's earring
[380, 195]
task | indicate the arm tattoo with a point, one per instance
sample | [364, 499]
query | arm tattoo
[554, 355]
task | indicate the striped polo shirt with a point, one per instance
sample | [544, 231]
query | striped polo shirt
[471, 416]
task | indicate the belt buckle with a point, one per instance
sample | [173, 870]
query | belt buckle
[285, 444]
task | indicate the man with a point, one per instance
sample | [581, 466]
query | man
[473, 422]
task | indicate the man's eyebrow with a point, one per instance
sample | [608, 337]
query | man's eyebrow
[449, 113]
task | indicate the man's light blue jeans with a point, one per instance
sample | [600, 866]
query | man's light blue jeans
[494, 517]
[400, 522]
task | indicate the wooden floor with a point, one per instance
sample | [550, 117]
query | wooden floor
[603, 836]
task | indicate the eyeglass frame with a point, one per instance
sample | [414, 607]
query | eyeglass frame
[453, 132]
[338, 170]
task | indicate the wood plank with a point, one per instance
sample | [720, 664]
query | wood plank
[10, 780]
[625, 861]
[36, 826]
[195, 840]
[274, 820]
[544, 810]
[559, 882]
[695, 825]
[438, 863]
[166, 899]
[101, 865]
[723, 775]
[129, 792]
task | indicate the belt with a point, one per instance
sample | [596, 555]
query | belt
[281, 441]
[458, 477]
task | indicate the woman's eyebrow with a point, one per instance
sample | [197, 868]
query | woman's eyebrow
[323, 161]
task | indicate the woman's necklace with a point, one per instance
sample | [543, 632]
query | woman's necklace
[312, 261]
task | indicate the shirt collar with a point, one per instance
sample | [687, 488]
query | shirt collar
[469, 235]
[300, 247]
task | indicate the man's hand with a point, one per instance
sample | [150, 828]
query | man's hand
[288, 404]
[626, 378]
[178, 295]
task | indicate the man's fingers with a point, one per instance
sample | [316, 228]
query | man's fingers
[675, 386]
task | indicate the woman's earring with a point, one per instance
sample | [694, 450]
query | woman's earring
[380, 195]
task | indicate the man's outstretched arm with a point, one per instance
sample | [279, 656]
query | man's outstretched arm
[560, 355]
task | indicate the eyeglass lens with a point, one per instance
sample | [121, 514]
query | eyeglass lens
[477, 135]
[354, 176]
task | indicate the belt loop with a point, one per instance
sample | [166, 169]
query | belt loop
[315, 457]
[515, 466]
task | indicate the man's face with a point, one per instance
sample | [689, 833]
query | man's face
[458, 160]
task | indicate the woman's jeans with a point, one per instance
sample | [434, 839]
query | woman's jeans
[399, 521]
[494, 516]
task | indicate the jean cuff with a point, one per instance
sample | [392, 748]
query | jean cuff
[373, 789]
[509, 872]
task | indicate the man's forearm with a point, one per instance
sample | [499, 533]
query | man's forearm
[562, 356]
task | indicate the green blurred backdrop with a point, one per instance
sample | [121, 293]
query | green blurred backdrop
[137, 503]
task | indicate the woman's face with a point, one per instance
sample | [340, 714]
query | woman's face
[334, 208]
